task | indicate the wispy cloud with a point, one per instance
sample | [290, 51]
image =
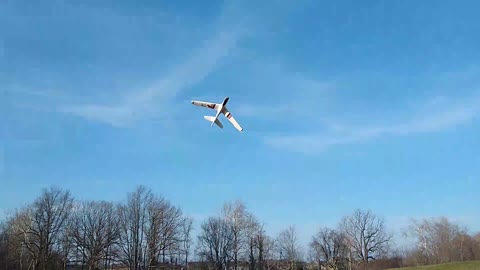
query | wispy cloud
[149, 100]
[292, 95]
[438, 114]
[126, 105]
[263, 110]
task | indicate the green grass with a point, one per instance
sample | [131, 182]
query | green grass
[472, 265]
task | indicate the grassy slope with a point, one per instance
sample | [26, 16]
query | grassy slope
[449, 266]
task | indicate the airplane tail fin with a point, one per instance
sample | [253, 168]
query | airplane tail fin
[213, 120]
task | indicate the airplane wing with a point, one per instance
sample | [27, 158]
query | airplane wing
[231, 119]
[205, 104]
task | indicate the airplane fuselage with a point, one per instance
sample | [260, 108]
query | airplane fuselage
[225, 101]
[220, 108]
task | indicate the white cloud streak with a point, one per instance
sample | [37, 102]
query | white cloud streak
[435, 117]
[294, 93]
[151, 100]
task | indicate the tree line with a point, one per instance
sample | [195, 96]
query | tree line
[146, 230]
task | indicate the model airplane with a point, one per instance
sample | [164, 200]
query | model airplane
[220, 108]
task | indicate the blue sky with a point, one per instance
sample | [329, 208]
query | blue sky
[371, 104]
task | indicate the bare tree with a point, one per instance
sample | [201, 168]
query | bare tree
[39, 226]
[463, 246]
[266, 249]
[214, 242]
[330, 246]
[438, 240]
[163, 233]
[476, 246]
[423, 233]
[147, 230]
[66, 241]
[3, 245]
[20, 249]
[261, 247]
[10, 247]
[444, 233]
[367, 235]
[252, 229]
[156, 209]
[170, 232]
[133, 222]
[239, 220]
[187, 238]
[288, 247]
[95, 231]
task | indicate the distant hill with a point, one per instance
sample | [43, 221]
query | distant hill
[472, 265]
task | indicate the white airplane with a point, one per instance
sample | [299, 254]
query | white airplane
[220, 108]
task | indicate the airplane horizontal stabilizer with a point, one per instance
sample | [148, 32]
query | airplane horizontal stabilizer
[212, 119]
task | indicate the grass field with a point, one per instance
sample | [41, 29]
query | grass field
[448, 266]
